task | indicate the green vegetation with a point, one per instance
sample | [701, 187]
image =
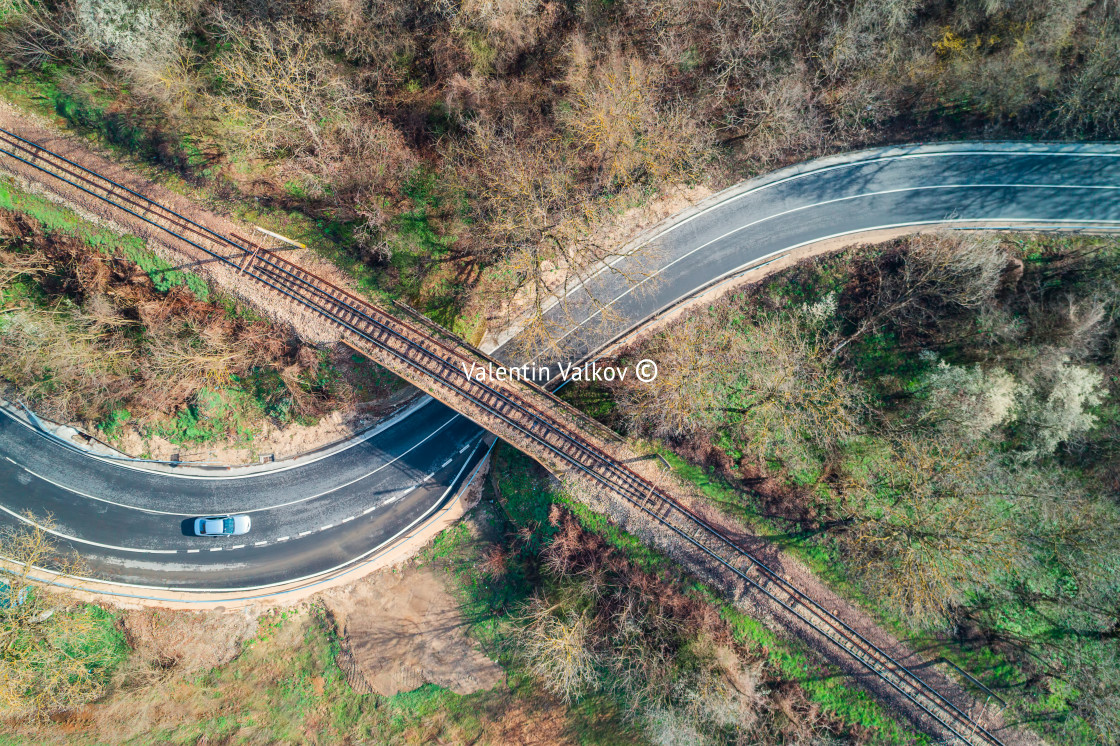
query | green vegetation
[56, 653]
[546, 569]
[285, 686]
[525, 127]
[85, 339]
[930, 425]
[53, 218]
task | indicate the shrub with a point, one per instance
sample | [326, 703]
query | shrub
[967, 401]
[121, 29]
[56, 654]
[926, 282]
[555, 645]
[1055, 406]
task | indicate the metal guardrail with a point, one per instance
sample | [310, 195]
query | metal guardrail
[435, 360]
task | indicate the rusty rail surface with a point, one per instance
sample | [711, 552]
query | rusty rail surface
[532, 414]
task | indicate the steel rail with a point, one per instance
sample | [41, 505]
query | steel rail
[184, 223]
[583, 447]
[293, 281]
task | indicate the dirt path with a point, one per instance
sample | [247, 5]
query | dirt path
[402, 629]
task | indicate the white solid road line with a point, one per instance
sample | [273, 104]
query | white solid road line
[388, 542]
[825, 169]
[786, 249]
[299, 461]
[191, 551]
[67, 537]
[79, 493]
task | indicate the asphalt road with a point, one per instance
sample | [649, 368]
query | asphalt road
[129, 524]
[133, 526]
[1008, 184]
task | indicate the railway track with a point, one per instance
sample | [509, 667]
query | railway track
[528, 414]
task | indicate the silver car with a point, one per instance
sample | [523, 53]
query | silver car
[228, 525]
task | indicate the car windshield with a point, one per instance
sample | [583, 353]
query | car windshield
[227, 525]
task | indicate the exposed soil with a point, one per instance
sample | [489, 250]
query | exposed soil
[402, 629]
[188, 641]
[525, 725]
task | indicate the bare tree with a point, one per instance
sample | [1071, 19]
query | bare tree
[32, 34]
[925, 281]
[1089, 104]
[65, 361]
[618, 119]
[280, 88]
[927, 523]
[49, 656]
[554, 642]
[542, 225]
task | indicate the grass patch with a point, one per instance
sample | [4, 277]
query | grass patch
[55, 218]
[286, 687]
[527, 497]
[215, 414]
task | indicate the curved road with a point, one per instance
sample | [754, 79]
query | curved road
[129, 524]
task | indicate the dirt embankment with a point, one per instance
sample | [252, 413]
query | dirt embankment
[402, 629]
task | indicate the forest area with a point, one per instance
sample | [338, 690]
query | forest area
[470, 156]
[931, 423]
